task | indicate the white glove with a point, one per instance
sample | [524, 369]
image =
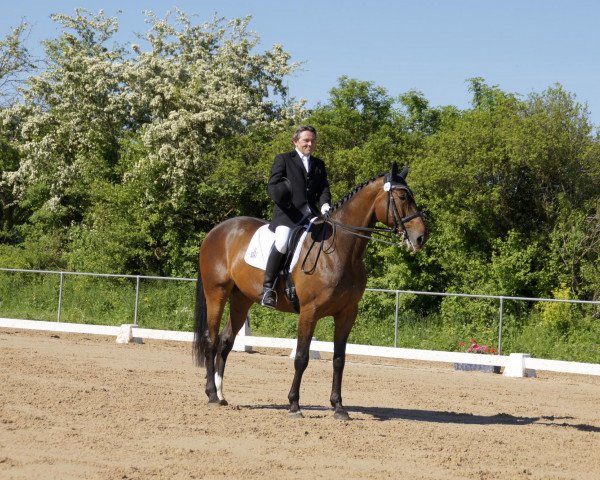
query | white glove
[325, 208]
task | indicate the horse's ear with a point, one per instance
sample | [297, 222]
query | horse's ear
[404, 172]
[394, 170]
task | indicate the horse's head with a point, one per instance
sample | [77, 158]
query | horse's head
[396, 208]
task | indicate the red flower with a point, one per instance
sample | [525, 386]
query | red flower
[476, 348]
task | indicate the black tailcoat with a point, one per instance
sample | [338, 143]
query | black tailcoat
[309, 190]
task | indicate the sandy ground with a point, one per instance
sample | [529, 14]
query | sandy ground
[83, 407]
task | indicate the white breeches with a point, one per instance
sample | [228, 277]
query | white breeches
[281, 237]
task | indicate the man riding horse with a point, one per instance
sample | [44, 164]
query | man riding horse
[332, 287]
[297, 184]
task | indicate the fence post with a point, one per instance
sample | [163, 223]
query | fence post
[396, 321]
[500, 326]
[60, 290]
[137, 298]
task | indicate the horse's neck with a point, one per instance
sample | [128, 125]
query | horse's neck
[359, 211]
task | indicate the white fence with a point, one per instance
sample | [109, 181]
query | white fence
[515, 364]
[138, 278]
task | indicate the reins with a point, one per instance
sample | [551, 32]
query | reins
[399, 228]
[321, 243]
[353, 230]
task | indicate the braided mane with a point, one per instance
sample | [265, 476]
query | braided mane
[354, 191]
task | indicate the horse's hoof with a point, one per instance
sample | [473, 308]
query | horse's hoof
[217, 403]
[341, 415]
[296, 414]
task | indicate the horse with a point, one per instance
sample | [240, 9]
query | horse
[332, 287]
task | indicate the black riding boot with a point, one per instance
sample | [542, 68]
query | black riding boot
[269, 296]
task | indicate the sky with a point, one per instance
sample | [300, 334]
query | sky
[521, 46]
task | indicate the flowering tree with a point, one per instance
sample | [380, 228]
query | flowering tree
[67, 126]
[104, 121]
[196, 85]
[14, 60]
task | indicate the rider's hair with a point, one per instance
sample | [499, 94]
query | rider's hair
[303, 128]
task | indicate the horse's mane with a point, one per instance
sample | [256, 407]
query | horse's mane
[354, 191]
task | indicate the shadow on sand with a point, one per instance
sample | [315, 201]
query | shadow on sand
[433, 416]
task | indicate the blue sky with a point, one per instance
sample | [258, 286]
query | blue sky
[522, 46]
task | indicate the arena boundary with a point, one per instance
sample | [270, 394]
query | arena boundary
[515, 364]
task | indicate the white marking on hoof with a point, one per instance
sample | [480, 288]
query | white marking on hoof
[219, 385]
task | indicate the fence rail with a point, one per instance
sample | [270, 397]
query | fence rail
[500, 298]
[515, 364]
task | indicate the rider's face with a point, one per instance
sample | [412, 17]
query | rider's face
[306, 143]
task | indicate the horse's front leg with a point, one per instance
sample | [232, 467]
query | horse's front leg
[343, 325]
[306, 328]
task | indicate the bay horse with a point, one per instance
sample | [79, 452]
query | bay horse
[332, 287]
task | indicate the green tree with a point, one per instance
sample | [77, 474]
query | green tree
[575, 249]
[15, 61]
[497, 170]
[360, 132]
[118, 148]
[67, 127]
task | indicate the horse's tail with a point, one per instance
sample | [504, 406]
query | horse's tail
[200, 323]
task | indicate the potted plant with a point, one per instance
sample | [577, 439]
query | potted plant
[475, 347]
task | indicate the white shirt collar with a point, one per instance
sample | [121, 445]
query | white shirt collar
[302, 156]
[305, 159]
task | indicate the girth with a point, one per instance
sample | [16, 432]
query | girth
[290, 288]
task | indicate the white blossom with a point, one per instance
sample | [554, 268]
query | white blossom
[184, 87]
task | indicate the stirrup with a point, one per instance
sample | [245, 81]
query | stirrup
[269, 298]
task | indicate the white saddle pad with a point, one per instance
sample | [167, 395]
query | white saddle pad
[259, 247]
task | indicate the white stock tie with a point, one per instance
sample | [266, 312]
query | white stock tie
[306, 162]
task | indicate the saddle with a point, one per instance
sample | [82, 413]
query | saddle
[295, 240]
[257, 254]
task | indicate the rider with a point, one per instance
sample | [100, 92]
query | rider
[297, 184]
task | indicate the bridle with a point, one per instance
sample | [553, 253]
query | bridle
[391, 183]
[399, 222]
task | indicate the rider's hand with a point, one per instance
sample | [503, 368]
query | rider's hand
[325, 209]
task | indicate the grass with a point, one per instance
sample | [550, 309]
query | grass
[169, 305]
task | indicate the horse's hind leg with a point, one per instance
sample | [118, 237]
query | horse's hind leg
[238, 312]
[215, 305]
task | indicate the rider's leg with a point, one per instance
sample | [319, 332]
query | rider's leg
[278, 250]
